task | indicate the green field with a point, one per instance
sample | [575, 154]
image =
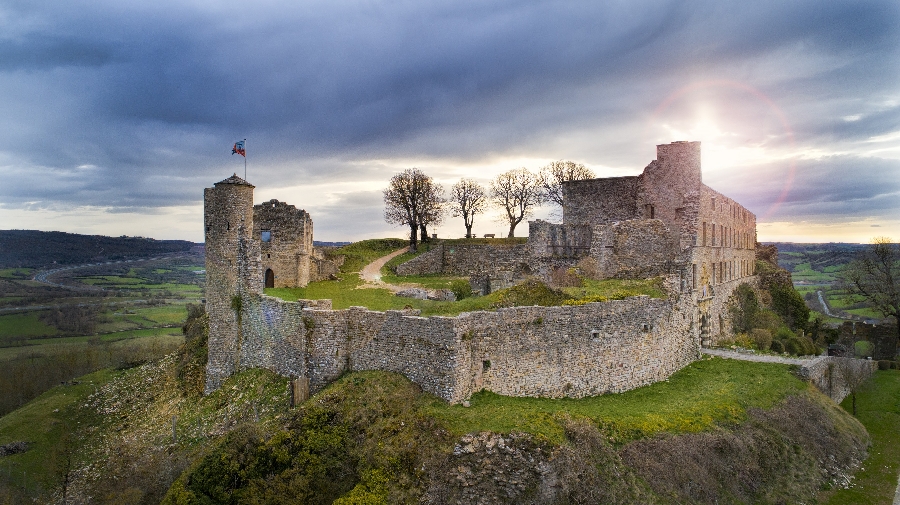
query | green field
[878, 408]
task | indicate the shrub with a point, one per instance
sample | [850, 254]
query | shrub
[777, 346]
[784, 333]
[788, 304]
[564, 278]
[740, 340]
[461, 288]
[744, 307]
[884, 364]
[792, 346]
[768, 320]
[762, 339]
[530, 292]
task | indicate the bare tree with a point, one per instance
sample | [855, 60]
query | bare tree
[406, 201]
[553, 175]
[432, 212]
[517, 193]
[467, 198]
[875, 275]
[852, 374]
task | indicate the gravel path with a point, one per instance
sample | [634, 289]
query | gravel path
[762, 358]
[371, 273]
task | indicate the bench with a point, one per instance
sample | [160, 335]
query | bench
[488, 235]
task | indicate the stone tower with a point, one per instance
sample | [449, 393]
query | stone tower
[232, 271]
[285, 234]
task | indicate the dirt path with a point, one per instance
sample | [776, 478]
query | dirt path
[762, 358]
[371, 273]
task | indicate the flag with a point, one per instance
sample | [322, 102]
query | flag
[239, 149]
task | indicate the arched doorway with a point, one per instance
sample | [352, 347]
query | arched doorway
[270, 278]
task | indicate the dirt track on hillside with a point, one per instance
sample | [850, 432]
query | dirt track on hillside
[371, 273]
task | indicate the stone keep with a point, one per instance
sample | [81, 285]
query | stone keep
[248, 248]
[231, 273]
[286, 243]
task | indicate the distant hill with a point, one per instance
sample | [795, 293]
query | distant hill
[38, 249]
[818, 256]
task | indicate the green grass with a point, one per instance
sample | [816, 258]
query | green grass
[48, 344]
[24, 325]
[110, 280]
[41, 423]
[343, 294]
[878, 408]
[616, 288]
[360, 254]
[16, 273]
[706, 393]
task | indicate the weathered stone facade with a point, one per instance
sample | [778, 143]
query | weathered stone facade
[568, 351]
[664, 222]
[236, 266]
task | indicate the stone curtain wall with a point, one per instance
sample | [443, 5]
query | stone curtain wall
[714, 306]
[829, 374]
[574, 351]
[558, 240]
[523, 351]
[469, 259]
[431, 262]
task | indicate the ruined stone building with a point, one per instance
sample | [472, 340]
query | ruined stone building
[664, 222]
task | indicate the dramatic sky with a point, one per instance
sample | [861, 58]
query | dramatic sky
[116, 115]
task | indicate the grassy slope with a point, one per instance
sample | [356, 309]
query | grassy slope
[709, 392]
[878, 408]
[129, 420]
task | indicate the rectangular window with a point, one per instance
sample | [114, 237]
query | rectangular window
[265, 236]
[714, 234]
[694, 276]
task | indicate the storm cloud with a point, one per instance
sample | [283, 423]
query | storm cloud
[131, 108]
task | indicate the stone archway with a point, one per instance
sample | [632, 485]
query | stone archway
[270, 278]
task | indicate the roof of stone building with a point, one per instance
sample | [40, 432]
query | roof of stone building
[234, 179]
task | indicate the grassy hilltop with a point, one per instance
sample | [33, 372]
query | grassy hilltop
[718, 431]
[744, 432]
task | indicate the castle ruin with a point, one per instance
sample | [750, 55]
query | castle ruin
[664, 222]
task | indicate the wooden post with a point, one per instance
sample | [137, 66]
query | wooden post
[299, 390]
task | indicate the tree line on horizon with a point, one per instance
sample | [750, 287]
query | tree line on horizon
[414, 199]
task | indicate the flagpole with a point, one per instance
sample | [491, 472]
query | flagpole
[245, 159]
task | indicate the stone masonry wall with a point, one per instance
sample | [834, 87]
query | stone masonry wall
[601, 201]
[290, 242]
[430, 262]
[830, 374]
[635, 249]
[574, 351]
[533, 351]
[469, 259]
